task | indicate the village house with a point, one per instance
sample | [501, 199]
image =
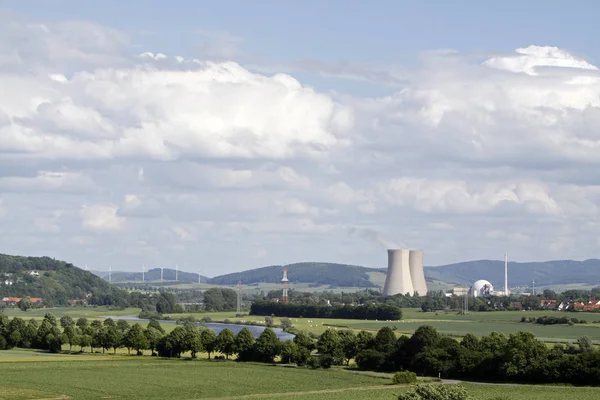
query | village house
[12, 301]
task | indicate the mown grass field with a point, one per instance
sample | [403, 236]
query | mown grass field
[46, 376]
[149, 378]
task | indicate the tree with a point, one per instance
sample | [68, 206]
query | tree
[286, 323]
[385, 340]
[244, 345]
[135, 339]
[191, 340]
[82, 323]
[585, 344]
[24, 304]
[153, 336]
[268, 345]
[364, 340]
[288, 351]
[113, 338]
[109, 323]
[330, 343]
[370, 360]
[209, 341]
[523, 355]
[213, 300]
[69, 335]
[122, 326]
[66, 321]
[167, 303]
[85, 341]
[349, 344]
[302, 339]
[225, 342]
[156, 325]
[29, 333]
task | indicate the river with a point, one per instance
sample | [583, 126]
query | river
[216, 326]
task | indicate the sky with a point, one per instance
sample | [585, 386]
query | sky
[223, 136]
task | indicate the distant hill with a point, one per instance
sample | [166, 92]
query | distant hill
[151, 275]
[54, 281]
[546, 273]
[342, 275]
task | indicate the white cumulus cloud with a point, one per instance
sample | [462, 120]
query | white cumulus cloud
[144, 157]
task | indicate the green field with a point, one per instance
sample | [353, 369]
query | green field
[47, 376]
[479, 392]
[148, 378]
[479, 323]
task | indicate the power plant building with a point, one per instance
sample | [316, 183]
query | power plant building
[481, 288]
[405, 273]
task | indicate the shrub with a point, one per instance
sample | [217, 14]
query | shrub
[370, 360]
[326, 361]
[404, 377]
[436, 392]
[313, 362]
[302, 356]
[286, 323]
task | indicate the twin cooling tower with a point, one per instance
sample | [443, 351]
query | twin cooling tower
[405, 273]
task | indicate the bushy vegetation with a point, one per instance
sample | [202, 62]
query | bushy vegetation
[519, 357]
[436, 392]
[404, 377]
[545, 320]
[367, 311]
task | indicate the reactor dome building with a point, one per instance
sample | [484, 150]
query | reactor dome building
[405, 273]
[481, 288]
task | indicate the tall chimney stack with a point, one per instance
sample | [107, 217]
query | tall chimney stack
[505, 274]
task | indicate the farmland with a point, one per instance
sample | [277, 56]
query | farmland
[479, 323]
[42, 375]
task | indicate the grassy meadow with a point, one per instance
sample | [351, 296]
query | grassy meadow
[29, 375]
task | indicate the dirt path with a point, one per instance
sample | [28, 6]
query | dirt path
[284, 394]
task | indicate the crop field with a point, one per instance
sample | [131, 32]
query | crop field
[75, 312]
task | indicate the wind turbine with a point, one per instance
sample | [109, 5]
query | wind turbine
[176, 270]
[109, 273]
[143, 273]
[161, 274]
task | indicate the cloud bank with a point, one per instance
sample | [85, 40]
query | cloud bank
[110, 157]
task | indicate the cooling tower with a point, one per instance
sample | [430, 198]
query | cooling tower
[398, 280]
[417, 274]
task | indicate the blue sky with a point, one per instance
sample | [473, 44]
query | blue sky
[373, 32]
[308, 131]
[380, 32]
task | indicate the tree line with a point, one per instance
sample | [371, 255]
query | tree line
[366, 311]
[519, 357]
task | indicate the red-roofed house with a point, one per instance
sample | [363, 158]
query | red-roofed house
[11, 301]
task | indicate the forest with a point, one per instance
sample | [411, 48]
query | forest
[366, 311]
